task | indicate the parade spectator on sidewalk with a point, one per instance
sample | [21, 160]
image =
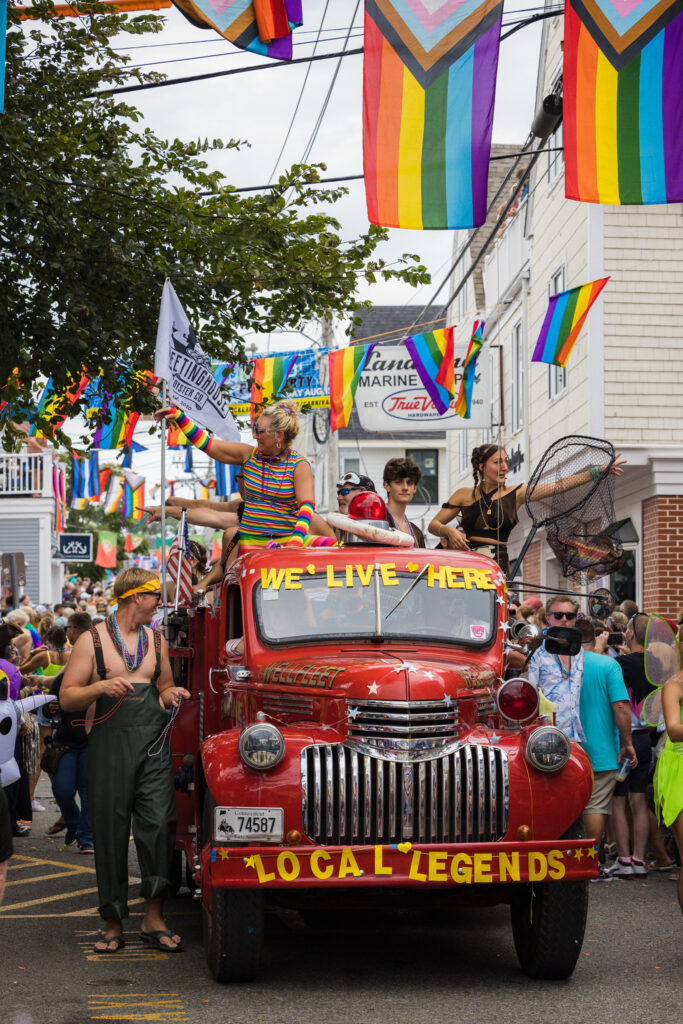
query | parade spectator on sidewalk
[668, 781]
[559, 676]
[400, 478]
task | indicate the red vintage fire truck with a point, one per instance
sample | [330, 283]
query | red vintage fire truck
[355, 745]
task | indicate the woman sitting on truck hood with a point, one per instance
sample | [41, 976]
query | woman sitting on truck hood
[278, 484]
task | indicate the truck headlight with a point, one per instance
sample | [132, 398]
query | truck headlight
[261, 746]
[548, 749]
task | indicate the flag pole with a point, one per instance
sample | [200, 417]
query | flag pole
[163, 508]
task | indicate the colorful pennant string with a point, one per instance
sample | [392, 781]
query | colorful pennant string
[565, 316]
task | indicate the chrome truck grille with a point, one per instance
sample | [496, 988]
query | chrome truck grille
[403, 730]
[350, 797]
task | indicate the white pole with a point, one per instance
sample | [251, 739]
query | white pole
[163, 508]
[181, 553]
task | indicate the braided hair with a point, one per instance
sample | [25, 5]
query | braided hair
[480, 456]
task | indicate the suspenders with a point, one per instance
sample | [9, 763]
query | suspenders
[99, 654]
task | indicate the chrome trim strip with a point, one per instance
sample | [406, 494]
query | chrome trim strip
[434, 767]
[409, 730]
[428, 754]
[367, 798]
[407, 800]
[393, 833]
[329, 794]
[355, 796]
[343, 822]
[304, 789]
[447, 774]
[422, 801]
[481, 793]
[317, 782]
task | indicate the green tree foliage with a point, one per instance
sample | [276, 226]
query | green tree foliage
[96, 210]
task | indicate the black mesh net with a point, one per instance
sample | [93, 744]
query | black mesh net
[571, 493]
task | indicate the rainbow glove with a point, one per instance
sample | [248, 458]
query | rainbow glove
[303, 524]
[195, 435]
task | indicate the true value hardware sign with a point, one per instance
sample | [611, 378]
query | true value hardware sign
[74, 547]
[391, 397]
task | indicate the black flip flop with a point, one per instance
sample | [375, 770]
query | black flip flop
[153, 940]
[118, 939]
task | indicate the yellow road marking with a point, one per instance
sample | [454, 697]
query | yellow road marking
[110, 1004]
[46, 899]
[143, 1006]
[42, 878]
[52, 863]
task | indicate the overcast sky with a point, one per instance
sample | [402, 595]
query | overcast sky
[258, 107]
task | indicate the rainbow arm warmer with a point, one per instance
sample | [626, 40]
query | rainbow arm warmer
[303, 523]
[194, 434]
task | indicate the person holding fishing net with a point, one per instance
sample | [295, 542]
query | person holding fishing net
[565, 481]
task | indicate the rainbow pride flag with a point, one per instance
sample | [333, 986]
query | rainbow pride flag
[270, 376]
[238, 22]
[346, 366]
[114, 495]
[429, 84]
[55, 406]
[564, 319]
[623, 102]
[133, 494]
[463, 406]
[433, 356]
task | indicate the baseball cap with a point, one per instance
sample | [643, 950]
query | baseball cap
[534, 602]
[356, 480]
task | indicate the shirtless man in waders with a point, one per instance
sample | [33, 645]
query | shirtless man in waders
[122, 666]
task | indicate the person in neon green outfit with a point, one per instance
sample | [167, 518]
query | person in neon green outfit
[668, 780]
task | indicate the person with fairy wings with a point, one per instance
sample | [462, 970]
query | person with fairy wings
[279, 497]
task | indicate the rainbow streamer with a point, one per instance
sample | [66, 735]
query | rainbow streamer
[59, 496]
[118, 425]
[429, 86]
[623, 102]
[238, 22]
[133, 495]
[270, 377]
[433, 356]
[564, 319]
[346, 366]
[463, 406]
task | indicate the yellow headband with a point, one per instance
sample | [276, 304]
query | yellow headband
[150, 587]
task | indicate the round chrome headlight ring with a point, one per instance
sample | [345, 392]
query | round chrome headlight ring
[261, 746]
[548, 749]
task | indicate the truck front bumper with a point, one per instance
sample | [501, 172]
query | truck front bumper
[402, 864]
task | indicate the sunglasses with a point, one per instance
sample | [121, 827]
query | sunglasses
[257, 431]
[346, 490]
[569, 616]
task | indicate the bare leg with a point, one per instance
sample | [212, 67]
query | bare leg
[677, 829]
[594, 825]
[153, 922]
[662, 858]
[641, 824]
[620, 826]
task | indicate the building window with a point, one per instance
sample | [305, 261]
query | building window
[557, 375]
[351, 465]
[463, 453]
[517, 378]
[428, 460]
[555, 143]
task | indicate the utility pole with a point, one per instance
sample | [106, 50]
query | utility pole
[332, 454]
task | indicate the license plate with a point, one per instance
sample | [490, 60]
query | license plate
[247, 824]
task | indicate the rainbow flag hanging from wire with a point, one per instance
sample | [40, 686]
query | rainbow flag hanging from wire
[565, 316]
[345, 366]
[133, 494]
[56, 406]
[118, 425]
[463, 406]
[623, 101]
[433, 356]
[238, 22]
[429, 86]
[114, 495]
[270, 377]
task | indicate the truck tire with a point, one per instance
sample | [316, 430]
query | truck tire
[548, 923]
[233, 928]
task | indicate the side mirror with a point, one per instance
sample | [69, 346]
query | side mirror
[562, 640]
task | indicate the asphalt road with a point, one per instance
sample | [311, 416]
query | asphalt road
[405, 970]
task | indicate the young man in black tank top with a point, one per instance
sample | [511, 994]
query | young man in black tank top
[123, 668]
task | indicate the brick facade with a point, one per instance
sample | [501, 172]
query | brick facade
[531, 568]
[663, 555]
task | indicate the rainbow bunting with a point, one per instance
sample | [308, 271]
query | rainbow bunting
[118, 425]
[239, 23]
[133, 495]
[564, 319]
[623, 101]
[463, 406]
[345, 368]
[59, 496]
[429, 85]
[270, 377]
[433, 356]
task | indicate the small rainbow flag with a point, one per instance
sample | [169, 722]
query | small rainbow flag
[346, 366]
[133, 495]
[429, 83]
[241, 22]
[623, 101]
[55, 406]
[433, 356]
[564, 319]
[175, 438]
[270, 376]
[463, 406]
[117, 426]
[114, 495]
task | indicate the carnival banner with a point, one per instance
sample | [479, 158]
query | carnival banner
[564, 318]
[623, 102]
[180, 361]
[258, 26]
[391, 397]
[429, 87]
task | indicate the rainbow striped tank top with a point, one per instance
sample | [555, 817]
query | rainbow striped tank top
[270, 505]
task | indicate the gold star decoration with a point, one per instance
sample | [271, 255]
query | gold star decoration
[249, 862]
[224, 854]
[578, 853]
[592, 852]
[412, 567]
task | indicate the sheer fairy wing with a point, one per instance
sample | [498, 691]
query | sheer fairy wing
[662, 651]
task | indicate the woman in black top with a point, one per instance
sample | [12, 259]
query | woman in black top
[488, 511]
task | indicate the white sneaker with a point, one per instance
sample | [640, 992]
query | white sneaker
[35, 806]
[639, 867]
[621, 868]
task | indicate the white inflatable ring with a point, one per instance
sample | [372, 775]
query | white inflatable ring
[363, 529]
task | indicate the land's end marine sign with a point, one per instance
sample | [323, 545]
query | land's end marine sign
[74, 547]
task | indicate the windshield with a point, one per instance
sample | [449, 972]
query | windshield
[342, 604]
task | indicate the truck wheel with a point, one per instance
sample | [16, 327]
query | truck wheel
[548, 923]
[233, 928]
[233, 934]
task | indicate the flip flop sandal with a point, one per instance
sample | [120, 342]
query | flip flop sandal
[55, 829]
[153, 940]
[119, 941]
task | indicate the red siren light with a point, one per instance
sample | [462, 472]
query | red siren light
[518, 700]
[367, 505]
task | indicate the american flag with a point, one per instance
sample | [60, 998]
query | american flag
[179, 561]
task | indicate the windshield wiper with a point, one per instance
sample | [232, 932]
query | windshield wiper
[411, 587]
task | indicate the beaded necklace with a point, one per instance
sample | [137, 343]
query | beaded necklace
[131, 661]
[564, 672]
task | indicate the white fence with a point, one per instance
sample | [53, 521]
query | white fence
[26, 475]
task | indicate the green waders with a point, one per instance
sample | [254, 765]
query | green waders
[124, 782]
